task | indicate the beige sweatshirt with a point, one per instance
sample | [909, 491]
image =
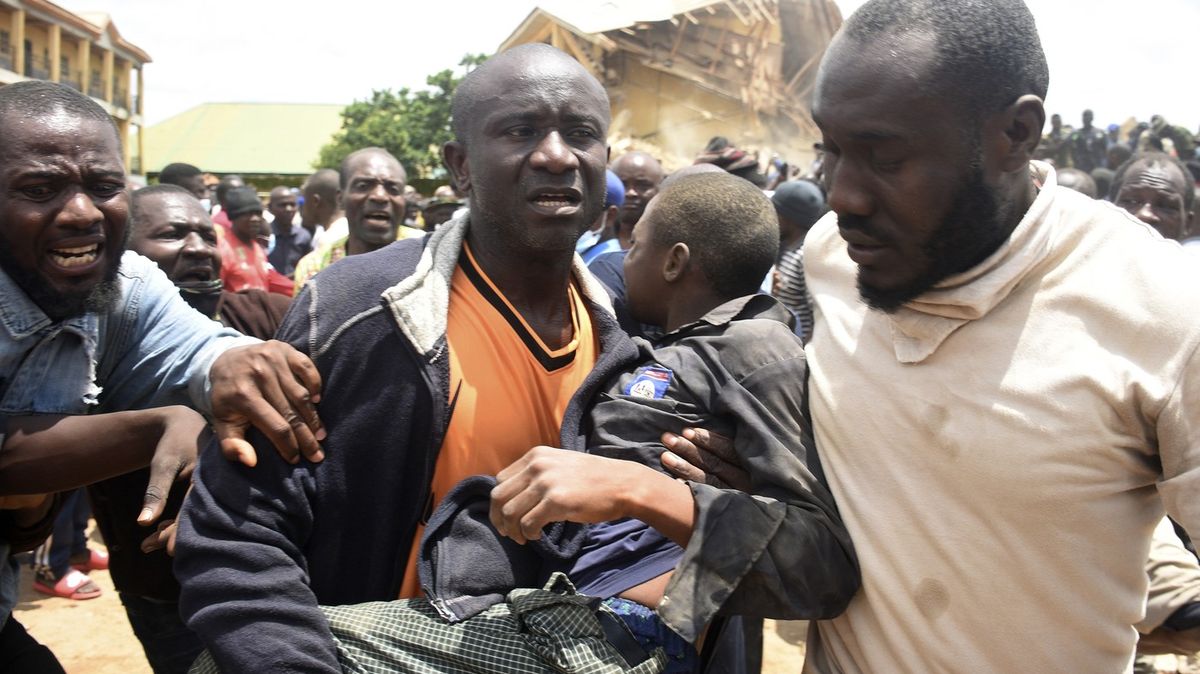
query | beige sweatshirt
[994, 445]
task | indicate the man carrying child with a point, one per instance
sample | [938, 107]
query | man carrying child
[489, 341]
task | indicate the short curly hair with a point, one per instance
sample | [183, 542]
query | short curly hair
[728, 224]
[988, 52]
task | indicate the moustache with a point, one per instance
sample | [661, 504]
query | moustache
[852, 221]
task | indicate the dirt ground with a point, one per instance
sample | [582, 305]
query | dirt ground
[93, 636]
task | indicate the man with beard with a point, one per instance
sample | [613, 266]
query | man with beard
[94, 336]
[443, 358]
[372, 195]
[1004, 373]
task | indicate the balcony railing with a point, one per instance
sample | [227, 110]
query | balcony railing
[96, 87]
[73, 80]
[37, 67]
[120, 97]
[6, 58]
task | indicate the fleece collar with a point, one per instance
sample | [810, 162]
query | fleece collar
[420, 303]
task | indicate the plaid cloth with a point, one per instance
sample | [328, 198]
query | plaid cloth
[551, 630]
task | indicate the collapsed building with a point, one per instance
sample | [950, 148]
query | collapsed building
[680, 72]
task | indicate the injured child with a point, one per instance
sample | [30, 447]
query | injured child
[599, 561]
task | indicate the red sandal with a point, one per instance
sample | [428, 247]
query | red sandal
[74, 585]
[96, 560]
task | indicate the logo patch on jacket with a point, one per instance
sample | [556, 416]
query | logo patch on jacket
[649, 381]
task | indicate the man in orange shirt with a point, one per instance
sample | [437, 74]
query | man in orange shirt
[485, 331]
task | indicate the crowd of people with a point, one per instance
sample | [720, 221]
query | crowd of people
[575, 412]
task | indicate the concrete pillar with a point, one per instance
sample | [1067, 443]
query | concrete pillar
[123, 131]
[141, 100]
[126, 85]
[18, 41]
[107, 75]
[55, 53]
[141, 143]
[85, 65]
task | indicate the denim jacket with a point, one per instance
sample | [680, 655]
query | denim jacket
[150, 349]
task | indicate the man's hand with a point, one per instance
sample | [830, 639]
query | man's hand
[705, 457]
[554, 485]
[274, 388]
[163, 537]
[184, 433]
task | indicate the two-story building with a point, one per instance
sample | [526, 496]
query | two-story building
[40, 40]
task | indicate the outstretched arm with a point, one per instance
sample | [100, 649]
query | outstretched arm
[46, 454]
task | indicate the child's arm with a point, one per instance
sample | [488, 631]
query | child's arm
[544, 486]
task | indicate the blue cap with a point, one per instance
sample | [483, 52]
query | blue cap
[615, 194]
[1113, 127]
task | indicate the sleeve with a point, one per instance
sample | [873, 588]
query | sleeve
[1178, 430]
[26, 537]
[240, 558]
[1174, 585]
[165, 349]
[780, 552]
[1174, 577]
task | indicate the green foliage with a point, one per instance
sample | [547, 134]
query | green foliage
[411, 125]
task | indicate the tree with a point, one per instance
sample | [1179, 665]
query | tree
[411, 125]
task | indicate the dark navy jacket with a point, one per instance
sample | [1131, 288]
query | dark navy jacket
[259, 548]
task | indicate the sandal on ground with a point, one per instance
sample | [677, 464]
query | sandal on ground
[93, 560]
[74, 585]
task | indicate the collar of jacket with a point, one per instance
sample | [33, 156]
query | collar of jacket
[420, 303]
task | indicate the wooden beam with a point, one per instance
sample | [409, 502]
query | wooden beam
[576, 50]
[732, 5]
[814, 60]
[678, 41]
[717, 52]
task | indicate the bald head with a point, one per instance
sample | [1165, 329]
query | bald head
[489, 82]
[282, 206]
[1074, 179]
[370, 155]
[320, 199]
[642, 176]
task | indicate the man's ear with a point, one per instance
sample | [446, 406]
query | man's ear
[675, 265]
[454, 155]
[1018, 131]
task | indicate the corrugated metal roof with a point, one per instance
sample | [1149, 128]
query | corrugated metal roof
[598, 16]
[282, 138]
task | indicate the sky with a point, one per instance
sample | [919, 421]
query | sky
[1101, 55]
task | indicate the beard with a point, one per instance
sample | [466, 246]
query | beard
[59, 306]
[970, 232]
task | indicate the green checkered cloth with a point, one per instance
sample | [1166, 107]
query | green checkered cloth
[548, 630]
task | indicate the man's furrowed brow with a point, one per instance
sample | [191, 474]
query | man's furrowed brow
[583, 118]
